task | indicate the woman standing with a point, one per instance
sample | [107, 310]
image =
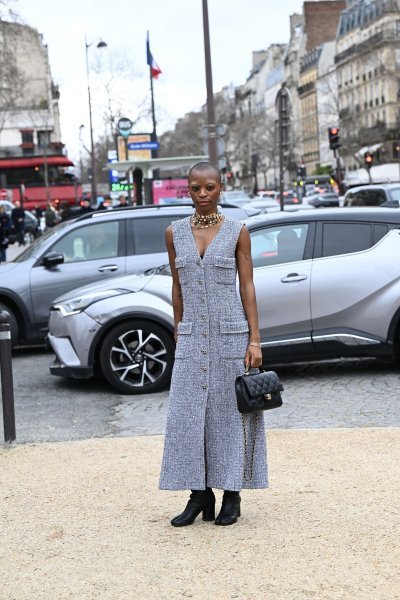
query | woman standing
[216, 333]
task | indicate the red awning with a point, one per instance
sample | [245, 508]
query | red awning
[34, 161]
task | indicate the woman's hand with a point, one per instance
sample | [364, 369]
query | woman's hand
[253, 357]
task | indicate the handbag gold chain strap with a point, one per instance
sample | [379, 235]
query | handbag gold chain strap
[245, 448]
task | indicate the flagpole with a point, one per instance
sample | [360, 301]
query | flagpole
[153, 111]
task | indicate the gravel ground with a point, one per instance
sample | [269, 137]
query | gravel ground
[85, 520]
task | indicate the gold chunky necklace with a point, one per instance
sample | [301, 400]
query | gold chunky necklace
[204, 221]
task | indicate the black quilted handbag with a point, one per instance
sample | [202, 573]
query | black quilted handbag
[258, 391]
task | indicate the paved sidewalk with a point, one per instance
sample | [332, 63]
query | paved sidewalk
[85, 520]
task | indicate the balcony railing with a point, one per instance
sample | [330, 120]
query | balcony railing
[306, 88]
[387, 35]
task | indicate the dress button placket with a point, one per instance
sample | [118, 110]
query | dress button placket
[204, 349]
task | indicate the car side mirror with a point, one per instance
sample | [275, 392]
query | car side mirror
[52, 259]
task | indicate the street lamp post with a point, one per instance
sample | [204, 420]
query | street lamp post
[212, 142]
[100, 44]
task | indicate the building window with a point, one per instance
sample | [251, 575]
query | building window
[27, 136]
[43, 139]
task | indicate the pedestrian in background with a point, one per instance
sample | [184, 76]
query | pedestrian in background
[123, 201]
[18, 222]
[217, 335]
[5, 225]
[38, 212]
[50, 216]
[85, 207]
[66, 211]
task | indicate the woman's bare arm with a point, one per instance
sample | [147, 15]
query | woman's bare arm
[248, 295]
[177, 302]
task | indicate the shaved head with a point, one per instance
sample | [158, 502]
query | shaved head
[201, 167]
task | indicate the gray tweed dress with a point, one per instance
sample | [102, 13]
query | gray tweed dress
[204, 441]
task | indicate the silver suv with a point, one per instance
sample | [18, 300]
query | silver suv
[92, 248]
[386, 195]
[327, 283]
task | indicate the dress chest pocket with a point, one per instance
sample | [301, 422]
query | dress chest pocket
[183, 269]
[233, 339]
[225, 270]
[185, 344]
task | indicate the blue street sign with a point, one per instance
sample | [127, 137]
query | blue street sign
[143, 145]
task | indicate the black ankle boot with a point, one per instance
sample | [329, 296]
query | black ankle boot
[230, 509]
[200, 501]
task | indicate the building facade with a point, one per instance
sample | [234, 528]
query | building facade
[33, 167]
[368, 71]
[30, 119]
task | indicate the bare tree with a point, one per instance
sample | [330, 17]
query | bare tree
[117, 84]
[11, 77]
[186, 139]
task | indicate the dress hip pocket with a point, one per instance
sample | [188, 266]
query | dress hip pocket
[185, 343]
[234, 338]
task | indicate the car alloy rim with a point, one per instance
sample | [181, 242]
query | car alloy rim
[138, 358]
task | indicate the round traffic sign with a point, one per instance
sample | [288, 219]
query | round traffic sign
[125, 125]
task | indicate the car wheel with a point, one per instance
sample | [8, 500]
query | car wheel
[136, 357]
[13, 323]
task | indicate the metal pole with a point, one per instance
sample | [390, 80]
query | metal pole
[153, 113]
[280, 142]
[7, 388]
[212, 142]
[339, 179]
[92, 156]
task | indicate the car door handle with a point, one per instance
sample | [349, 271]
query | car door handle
[108, 268]
[293, 277]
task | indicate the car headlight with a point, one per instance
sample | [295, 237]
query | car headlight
[73, 306]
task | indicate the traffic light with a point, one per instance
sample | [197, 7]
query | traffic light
[301, 170]
[334, 138]
[368, 159]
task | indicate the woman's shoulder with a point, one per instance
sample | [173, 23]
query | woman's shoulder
[179, 225]
[234, 225]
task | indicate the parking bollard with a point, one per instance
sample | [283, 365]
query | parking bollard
[7, 389]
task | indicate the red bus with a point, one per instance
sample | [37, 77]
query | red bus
[24, 178]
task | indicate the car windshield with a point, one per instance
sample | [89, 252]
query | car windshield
[37, 245]
[395, 194]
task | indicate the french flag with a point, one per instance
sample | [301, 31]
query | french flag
[154, 68]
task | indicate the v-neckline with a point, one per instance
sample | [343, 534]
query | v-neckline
[212, 241]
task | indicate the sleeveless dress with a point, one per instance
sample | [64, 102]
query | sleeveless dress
[204, 441]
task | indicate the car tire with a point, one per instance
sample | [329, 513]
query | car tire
[136, 357]
[14, 329]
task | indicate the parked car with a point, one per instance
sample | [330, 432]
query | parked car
[289, 197]
[235, 197]
[384, 194]
[327, 283]
[327, 199]
[93, 247]
[263, 205]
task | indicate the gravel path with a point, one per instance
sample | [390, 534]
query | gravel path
[85, 520]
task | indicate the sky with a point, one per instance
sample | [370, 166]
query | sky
[237, 27]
